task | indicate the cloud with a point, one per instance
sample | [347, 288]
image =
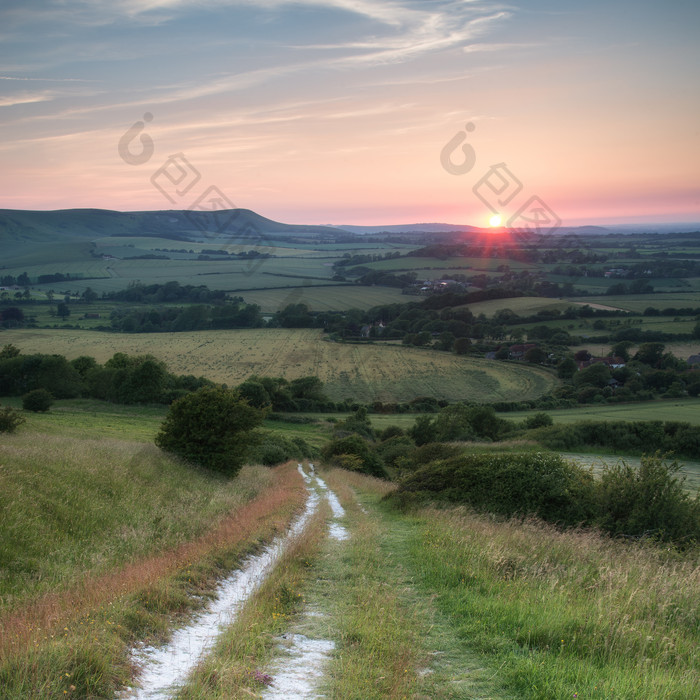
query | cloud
[25, 98]
[48, 80]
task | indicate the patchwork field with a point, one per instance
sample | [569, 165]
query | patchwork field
[363, 373]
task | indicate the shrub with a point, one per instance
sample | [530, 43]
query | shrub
[353, 445]
[649, 500]
[274, 448]
[38, 401]
[9, 419]
[212, 427]
[539, 420]
[541, 484]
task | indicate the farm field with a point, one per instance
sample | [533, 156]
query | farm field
[363, 373]
[690, 470]
[682, 349]
[639, 302]
[595, 327]
[318, 298]
[526, 306]
[687, 410]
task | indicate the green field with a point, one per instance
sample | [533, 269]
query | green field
[364, 373]
[687, 410]
[336, 298]
[690, 469]
[639, 302]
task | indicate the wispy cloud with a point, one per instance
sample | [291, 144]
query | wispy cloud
[25, 98]
[47, 80]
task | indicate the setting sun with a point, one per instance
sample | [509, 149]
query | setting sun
[495, 220]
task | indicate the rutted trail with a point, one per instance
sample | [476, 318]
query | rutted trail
[165, 669]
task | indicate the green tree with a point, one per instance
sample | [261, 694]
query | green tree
[648, 500]
[212, 427]
[622, 349]
[567, 368]
[462, 345]
[535, 356]
[423, 430]
[8, 351]
[63, 310]
[650, 353]
[89, 295]
[310, 388]
[597, 375]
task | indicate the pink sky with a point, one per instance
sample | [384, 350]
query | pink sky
[336, 111]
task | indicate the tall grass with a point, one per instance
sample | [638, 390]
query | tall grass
[76, 507]
[103, 542]
[571, 614]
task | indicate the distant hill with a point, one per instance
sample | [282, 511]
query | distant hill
[455, 228]
[21, 226]
[411, 228]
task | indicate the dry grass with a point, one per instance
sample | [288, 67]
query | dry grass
[364, 373]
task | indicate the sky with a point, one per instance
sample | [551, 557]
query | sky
[354, 111]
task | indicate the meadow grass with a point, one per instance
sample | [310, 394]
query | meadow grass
[564, 614]
[337, 298]
[639, 302]
[92, 418]
[74, 507]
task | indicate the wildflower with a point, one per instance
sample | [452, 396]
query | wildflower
[263, 678]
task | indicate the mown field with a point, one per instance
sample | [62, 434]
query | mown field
[687, 410]
[527, 306]
[363, 373]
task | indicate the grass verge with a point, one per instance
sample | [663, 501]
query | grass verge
[565, 615]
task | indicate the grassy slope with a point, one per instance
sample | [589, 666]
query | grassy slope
[436, 604]
[443, 603]
[103, 538]
[361, 372]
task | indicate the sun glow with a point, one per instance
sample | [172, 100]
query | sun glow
[495, 221]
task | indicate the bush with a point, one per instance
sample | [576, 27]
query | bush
[9, 419]
[539, 420]
[541, 484]
[212, 427]
[274, 448]
[333, 452]
[38, 401]
[648, 501]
